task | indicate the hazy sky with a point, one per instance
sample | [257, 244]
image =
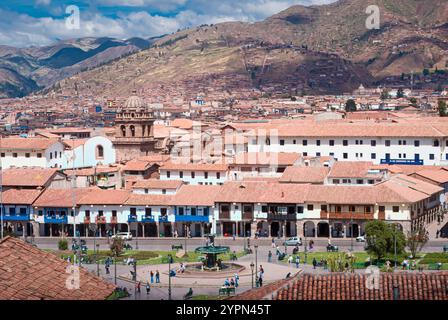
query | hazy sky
[41, 22]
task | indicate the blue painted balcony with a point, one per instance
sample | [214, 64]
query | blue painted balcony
[16, 217]
[189, 218]
[56, 219]
[415, 162]
[163, 218]
[132, 218]
[148, 219]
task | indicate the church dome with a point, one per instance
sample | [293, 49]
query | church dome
[134, 103]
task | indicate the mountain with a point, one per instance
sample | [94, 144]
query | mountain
[23, 71]
[311, 49]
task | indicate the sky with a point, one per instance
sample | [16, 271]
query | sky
[25, 23]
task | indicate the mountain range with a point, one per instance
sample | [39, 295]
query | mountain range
[321, 49]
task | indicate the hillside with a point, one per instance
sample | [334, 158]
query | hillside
[315, 49]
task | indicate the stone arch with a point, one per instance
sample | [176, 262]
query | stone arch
[309, 229]
[132, 130]
[123, 130]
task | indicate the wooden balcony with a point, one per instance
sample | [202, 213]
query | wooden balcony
[346, 215]
[86, 220]
[224, 215]
[100, 220]
[114, 220]
[282, 217]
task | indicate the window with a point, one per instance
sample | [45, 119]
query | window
[318, 142]
[3, 155]
[446, 156]
[180, 211]
[345, 142]
[356, 141]
[146, 191]
[114, 213]
[100, 213]
[336, 181]
[359, 181]
[345, 155]
[431, 156]
[305, 142]
[294, 141]
[310, 207]
[27, 155]
[299, 209]
[373, 156]
[133, 212]
[367, 209]
[351, 208]
[168, 174]
[87, 213]
[268, 141]
[331, 142]
[264, 209]
[193, 211]
[404, 142]
[51, 155]
[39, 155]
[181, 174]
[387, 143]
[205, 175]
[323, 207]
[435, 143]
[370, 181]
[416, 143]
[282, 142]
[395, 209]
[132, 130]
[331, 154]
[218, 175]
[163, 191]
[305, 154]
[373, 143]
[317, 154]
[192, 174]
[338, 209]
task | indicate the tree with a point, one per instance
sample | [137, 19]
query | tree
[441, 106]
[416, 240]
[413, 102]
[400, 93]
[385, 94]
[350, 105]
[117, 246]
[380, 238]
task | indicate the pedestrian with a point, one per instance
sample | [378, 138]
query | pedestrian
[107, 268]
[227, 282]
[273, 242]
[151, 276]
[297, 261]
[237, 278]
[260, 278]
[437, 233]
[269, 256]
[148, 288]
[314, 263]
[290, 260]
[157, 276]
[232, 282]
[137, 285]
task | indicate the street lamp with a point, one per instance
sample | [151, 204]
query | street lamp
[97, 260]
[351, 231]
[252, 269]
[170, 260]
[306, 246]
[115, 270]
[134, 278]
[395, 247]
[256, 264]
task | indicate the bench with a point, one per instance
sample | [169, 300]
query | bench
[226, 291]
[176, 247]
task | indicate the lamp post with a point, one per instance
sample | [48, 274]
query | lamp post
[134, 278]
[170, 260]
[256, 264]
[306, 243]
[115, 270]
[351, 232]
[97, 260]
[252, 269]
[395, 247]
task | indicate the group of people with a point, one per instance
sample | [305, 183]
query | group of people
[233, 282]
[157, 276]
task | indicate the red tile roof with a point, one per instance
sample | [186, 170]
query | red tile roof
[157, 184]
[26, 143]
[20, 196]
[352, 286]
[27, 177]
[304, 174]
[28, 273]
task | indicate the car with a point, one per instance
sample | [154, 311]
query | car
[361, 239]
[122, 235]
[332, 248]
[293, 241]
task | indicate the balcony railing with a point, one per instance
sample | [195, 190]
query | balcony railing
[189, 218]
[55, 219]
[148, 219]
[132, 218]
[100, 220]
[18, 217]
[114, 220]
[163, 218]
[416, 162]
[224, 215]
[86, 220]
[282, 217]
[346, 215]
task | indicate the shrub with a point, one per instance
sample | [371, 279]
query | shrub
[62, 244]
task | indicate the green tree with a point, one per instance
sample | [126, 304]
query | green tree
[380, 239]
[441, 106]
[62, 244]
[416, 240]
[350, 105]
[117, 246]
[413, 102]
[400, 93]
[385, 94]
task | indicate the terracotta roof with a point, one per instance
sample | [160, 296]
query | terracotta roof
[304, 174]
[26, 143]
[352, 286]
[439, 176]
[415, 184]
[20, 196]
[137, 165]
[350, 169]
[157, 184]
[149, 200]
[199, 195]
[27, 177]
[91, 171]
[60, 198]
[104, 197]
[28, 273]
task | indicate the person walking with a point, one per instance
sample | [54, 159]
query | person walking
[273, 242]
[237, 279]
[260, 276]
[290, 260]
[137, 285]
[157, 276]
[297, 261]
[151, 276]
[269, 256]
[148, 288]
[314, 263]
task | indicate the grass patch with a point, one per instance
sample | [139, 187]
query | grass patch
[206, 297]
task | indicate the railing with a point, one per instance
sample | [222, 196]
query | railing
[55, 219]
[224, 215]
[346, 215]
[163, 218]
[132, 218]
[282, 217]
[86, 220]
[100, 220]
[189, 218]
[416, 162]
[248, 215]
[19, 217]
[148, 219]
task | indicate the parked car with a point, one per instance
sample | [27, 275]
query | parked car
[332, 248]
[361, 239]
[293, 241]
[123, 235]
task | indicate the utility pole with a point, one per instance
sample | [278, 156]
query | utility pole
[169, 276]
